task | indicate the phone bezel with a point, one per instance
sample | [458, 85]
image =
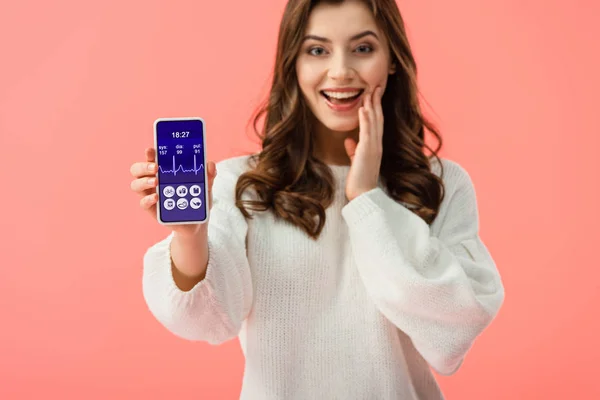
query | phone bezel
[205, 188]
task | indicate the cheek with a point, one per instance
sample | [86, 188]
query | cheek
[308, 78]
[375, 72]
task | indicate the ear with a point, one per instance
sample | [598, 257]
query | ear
[392, 68]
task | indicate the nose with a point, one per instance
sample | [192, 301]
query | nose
[340, 68]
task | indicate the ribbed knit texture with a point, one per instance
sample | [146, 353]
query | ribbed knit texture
[362, 313]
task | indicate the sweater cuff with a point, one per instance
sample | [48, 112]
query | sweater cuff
[364, 205]
[166, 272]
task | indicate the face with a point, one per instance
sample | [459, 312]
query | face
[344, 55]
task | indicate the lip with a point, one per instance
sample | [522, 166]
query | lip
[343, 107]
[341, 90]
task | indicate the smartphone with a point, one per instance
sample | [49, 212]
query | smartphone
[182, 178]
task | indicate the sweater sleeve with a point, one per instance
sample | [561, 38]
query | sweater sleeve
[442, 291]
[214, 310]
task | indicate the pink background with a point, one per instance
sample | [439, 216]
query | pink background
[512, 85]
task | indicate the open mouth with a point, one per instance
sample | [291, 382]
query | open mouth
[342, 98]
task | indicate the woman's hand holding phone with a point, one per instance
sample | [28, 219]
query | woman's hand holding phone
[189, 247]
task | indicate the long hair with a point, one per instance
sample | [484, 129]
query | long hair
[297, 187]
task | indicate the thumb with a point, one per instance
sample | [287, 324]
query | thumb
[350, 146]
[211, 171]
[150, 154]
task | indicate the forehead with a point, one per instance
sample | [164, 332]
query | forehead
[340, 21]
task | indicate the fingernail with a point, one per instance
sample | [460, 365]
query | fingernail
[150, 167]
[151, 181]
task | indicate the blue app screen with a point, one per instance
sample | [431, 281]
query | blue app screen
[181, 187]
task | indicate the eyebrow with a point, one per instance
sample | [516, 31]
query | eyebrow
[355, 37]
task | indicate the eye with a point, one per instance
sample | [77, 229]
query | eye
[316, 51]
[364, 48]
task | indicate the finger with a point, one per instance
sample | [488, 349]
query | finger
[211, 170]
[368, 99]
[377, 112]
[363, 124]
[149, 201]
[367, 102]
[150, 154]
[377, 107]
[370, 114]
[142, 169]
[350, 145]
[142, 185]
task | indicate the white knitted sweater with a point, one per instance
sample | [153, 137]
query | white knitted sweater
[362, 313]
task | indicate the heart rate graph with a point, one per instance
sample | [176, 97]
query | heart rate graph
[180, 169]
[185, 166]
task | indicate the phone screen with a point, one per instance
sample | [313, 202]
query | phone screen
[181, 162]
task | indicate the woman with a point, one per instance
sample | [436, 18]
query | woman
[346, 260]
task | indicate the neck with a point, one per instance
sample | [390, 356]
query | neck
[329, 145]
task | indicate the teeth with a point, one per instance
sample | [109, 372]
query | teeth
[341, 95]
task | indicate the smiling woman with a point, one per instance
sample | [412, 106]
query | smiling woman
[331, 56]
[346, 260]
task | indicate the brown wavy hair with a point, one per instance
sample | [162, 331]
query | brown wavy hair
[285, 175]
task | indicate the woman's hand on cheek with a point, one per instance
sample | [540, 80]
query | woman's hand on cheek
[365, 156]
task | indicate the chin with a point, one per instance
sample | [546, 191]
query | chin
[340, 124]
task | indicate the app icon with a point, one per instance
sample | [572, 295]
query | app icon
[169, 204]
[182, 204]
[181, 191]
[195, 190]
[196, 203]
[169, 191]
